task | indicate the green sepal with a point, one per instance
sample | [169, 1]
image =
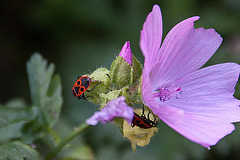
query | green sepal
[99, 78]
[108, 97]
[121, 73]
[136, 69]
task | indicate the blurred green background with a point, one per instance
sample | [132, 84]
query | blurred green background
[82, 35]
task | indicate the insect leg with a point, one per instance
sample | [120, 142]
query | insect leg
[143, 115]
[94, 87]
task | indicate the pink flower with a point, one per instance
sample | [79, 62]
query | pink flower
[199, 104]
[114, 108]
[126, 53]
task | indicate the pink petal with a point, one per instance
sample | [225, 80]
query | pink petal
[183, 51]
[147, 95]
[209, 92]
[147, 92]
[151, 36]
[114, 108]
[205, 131]
[126, 53]
[206, 108]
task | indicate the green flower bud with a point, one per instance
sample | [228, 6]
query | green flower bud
[121, 72]
[100, 79]
[126, 69]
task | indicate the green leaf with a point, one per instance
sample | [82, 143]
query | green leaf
[45, 90]
[18, 151]
[12, 119]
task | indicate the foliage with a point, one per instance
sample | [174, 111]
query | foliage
[12, 120]
[45, 95]
[18, 151]
[29, 122]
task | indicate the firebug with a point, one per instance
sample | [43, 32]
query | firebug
[81, 85]
[143, 121]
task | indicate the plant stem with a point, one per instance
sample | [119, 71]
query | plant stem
[65, 141]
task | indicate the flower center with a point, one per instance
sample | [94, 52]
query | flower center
[167, 92]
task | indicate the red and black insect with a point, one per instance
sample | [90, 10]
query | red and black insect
[143, 121]
[81, 85]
